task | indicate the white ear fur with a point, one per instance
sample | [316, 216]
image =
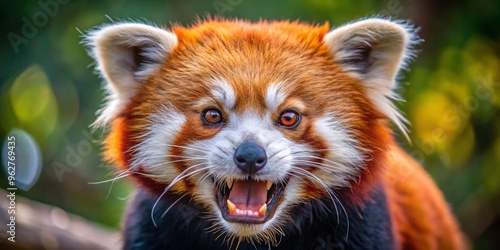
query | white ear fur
[373, 51]
[126, 55]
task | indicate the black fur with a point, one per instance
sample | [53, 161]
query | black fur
[312, 226]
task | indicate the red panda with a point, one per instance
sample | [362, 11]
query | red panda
[267, 135]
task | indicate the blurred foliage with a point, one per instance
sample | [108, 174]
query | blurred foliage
[48, 89]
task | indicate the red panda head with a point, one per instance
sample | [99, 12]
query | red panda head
[251, 119]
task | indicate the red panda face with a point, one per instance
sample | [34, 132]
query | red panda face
[250, 120]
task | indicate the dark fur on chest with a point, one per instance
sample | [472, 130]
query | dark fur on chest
[312, 225]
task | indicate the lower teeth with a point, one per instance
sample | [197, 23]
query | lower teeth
[233, 210]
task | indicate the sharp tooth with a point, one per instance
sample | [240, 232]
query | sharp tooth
[262, 210]
[229, 182]
[231, 207]
[269, 184]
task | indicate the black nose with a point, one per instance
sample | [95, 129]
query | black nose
[250, 157]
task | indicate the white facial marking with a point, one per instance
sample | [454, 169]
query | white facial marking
[152, 153]
[344, 158]
[275, 96]
[223, 92]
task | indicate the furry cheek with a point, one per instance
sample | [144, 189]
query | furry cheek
[345, 154]
[152, 153]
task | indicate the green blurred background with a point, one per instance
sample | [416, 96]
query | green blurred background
[48, 89]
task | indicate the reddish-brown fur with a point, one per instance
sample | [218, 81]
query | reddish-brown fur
[250, 57]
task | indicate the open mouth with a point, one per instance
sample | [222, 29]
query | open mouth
[249, 201]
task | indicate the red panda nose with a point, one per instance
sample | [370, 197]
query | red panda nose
[250, 157]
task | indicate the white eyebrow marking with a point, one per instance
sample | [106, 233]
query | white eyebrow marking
[223, 92]
[275, 96]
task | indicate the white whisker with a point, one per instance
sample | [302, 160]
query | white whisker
[171, 205]
[119, 176]
[320, 158]
[319, 165]
[177, 156]
[330, 193]
[179, 177]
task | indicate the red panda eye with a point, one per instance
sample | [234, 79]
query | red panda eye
[289, 119]
[211, 116]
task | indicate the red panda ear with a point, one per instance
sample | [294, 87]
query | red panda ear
[126, 55]
[373, 51]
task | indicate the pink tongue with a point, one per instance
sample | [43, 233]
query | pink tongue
[249, 195]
